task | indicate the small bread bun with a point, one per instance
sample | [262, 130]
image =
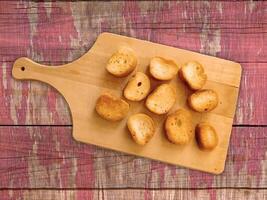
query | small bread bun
[141, 127]
[206, 136]
[178, 127]
[137, 88]
[161, 100]
[111, 108]
[163, 69]
[194, 75]
[203, 100]
[122, 63]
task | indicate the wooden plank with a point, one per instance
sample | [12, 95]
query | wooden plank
[122, 194]
[208, 27]
[252, 102]
[217, 32]
[48, 157]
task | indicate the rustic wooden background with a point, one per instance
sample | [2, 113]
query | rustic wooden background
[38, 157]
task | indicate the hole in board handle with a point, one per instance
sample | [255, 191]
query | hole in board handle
[22, 68]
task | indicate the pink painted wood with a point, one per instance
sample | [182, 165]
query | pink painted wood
[45, 160]
[35, 30]
[48, 157]
[130, 194]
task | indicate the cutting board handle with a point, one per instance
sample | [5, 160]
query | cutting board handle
[26, 69]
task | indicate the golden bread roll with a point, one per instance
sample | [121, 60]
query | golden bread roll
[163, 69]
[122, 63]
[161, 100]
[203, 100]
[141, 127]
[206, 136]
[137, 87]
[111, 107]
[193, 74]
[178, 127]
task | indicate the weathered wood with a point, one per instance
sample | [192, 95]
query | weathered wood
[58, 32]
[48, 157]
[47, 29]
[130, 194]
[252, 102]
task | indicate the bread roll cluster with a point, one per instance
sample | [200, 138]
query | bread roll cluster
[178, 125]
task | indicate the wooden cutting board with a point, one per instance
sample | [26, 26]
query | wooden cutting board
[82, 81]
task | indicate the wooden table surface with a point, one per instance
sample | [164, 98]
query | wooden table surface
[38, 157]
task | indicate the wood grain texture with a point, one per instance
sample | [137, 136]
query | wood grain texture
[238, 35]
[130, 194]
[59, 32]
[37, 103]
[48, 157]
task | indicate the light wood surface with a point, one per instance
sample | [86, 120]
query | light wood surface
[82, 82]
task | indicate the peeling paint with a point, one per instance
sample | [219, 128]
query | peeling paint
[219, 7]
[48, 8]
[74, 170]
[4, 76]
[259, 51]
[33, 18]
[184, 14]
[36, 170]
[16, 100]
[49, 194]
[40, 168]
[210, 41]
[251, 110]
[263, 177]
[10, 193]
[251, 5]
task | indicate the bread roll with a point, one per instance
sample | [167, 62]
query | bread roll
[206, 136]
[122, 63]
[163, 69]
[141, 127]
[194, 75]
[178, 127]
[111, 108]
[203, 100]
[137, 88]
[161, 100]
